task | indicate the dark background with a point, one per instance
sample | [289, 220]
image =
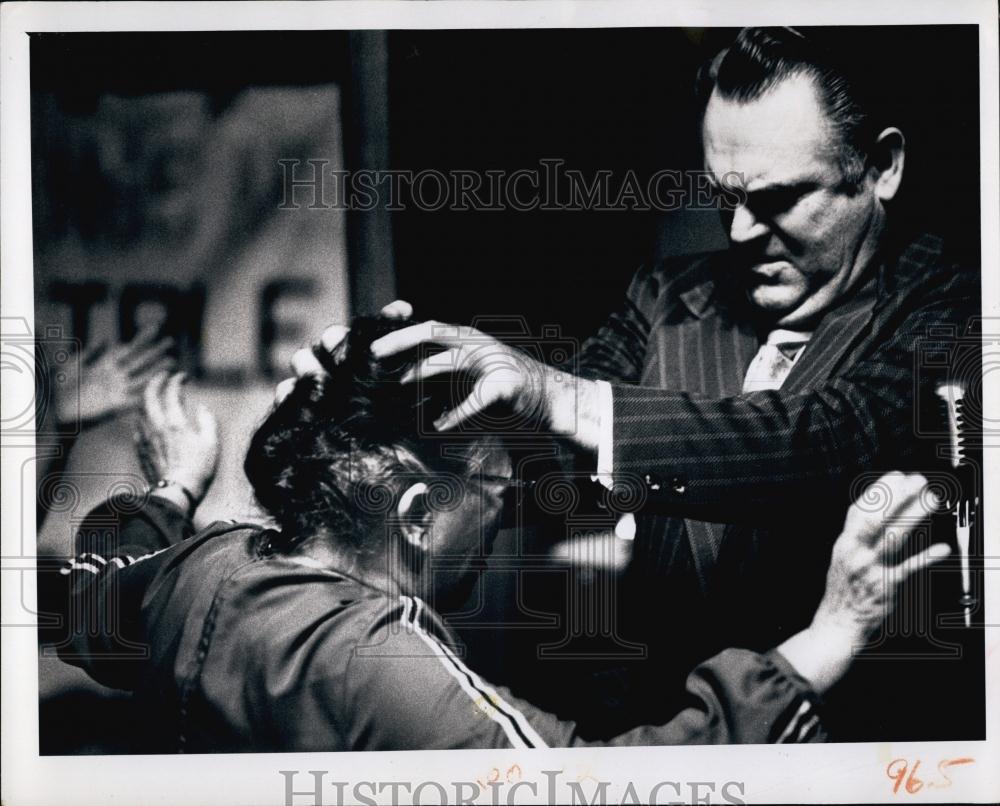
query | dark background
[598, 99]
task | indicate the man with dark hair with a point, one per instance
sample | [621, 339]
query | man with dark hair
[323, 636]
[762, 58]
[746, 393]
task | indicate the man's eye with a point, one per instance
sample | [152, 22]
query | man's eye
[767, 203]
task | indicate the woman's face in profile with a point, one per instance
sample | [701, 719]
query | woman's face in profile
[463, 536]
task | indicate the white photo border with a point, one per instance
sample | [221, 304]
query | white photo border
[774, 774]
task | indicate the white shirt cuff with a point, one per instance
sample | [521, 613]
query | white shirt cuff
[605, 444]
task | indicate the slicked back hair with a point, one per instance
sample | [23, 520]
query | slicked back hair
[761, 58]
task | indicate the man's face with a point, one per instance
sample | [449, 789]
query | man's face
[462, 538]
[803, 234]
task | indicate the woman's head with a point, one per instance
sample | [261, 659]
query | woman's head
[352, 455]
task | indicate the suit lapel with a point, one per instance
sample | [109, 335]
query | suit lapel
[838, 332]
[706, 354]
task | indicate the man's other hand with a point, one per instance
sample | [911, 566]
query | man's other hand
[871, 560]
[865, 569]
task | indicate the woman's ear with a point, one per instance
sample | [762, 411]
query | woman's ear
[414, 515]
[890, 151]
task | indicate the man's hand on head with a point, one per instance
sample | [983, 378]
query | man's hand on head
[547, 398]
[304, 361]
[556, 401]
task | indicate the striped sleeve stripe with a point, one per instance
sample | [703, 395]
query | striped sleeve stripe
[83, 562]
[133, 560]
[464, 680]
[76, 565]
[807, 728]
[795, 723]
[514, 723]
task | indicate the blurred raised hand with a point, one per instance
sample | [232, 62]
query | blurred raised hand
[177, 443]
[108, 380]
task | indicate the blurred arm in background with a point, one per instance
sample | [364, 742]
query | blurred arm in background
[178, 448]
[103, 382]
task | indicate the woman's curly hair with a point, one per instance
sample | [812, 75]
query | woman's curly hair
[336, 453]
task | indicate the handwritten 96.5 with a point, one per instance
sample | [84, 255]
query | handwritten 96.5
[904, 776]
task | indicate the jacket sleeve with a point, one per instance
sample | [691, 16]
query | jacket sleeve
[409, 689]
[93, 602]
[742, 457]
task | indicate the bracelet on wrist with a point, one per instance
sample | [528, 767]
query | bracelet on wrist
[192, 501]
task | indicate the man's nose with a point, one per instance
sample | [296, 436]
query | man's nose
[745, 226]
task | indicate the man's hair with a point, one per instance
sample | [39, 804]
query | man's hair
[336, 453]
[761, 58]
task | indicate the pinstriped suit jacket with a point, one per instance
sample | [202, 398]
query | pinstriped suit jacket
[678, 351]
[734, 482]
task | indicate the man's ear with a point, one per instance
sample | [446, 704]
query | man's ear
[890, 150]
[414, 515]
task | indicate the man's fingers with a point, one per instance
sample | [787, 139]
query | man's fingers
[397, 309]
[305, 363]
[437, 364]
[881, 502]
[914, 499]
[435, 332]
[927, 557]
[903, 525]
[469, 407]
[283, 390]
[403, 339]
[333, 336]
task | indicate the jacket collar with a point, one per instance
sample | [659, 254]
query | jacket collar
[700, 299]
[832, 337]
[837, 332]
